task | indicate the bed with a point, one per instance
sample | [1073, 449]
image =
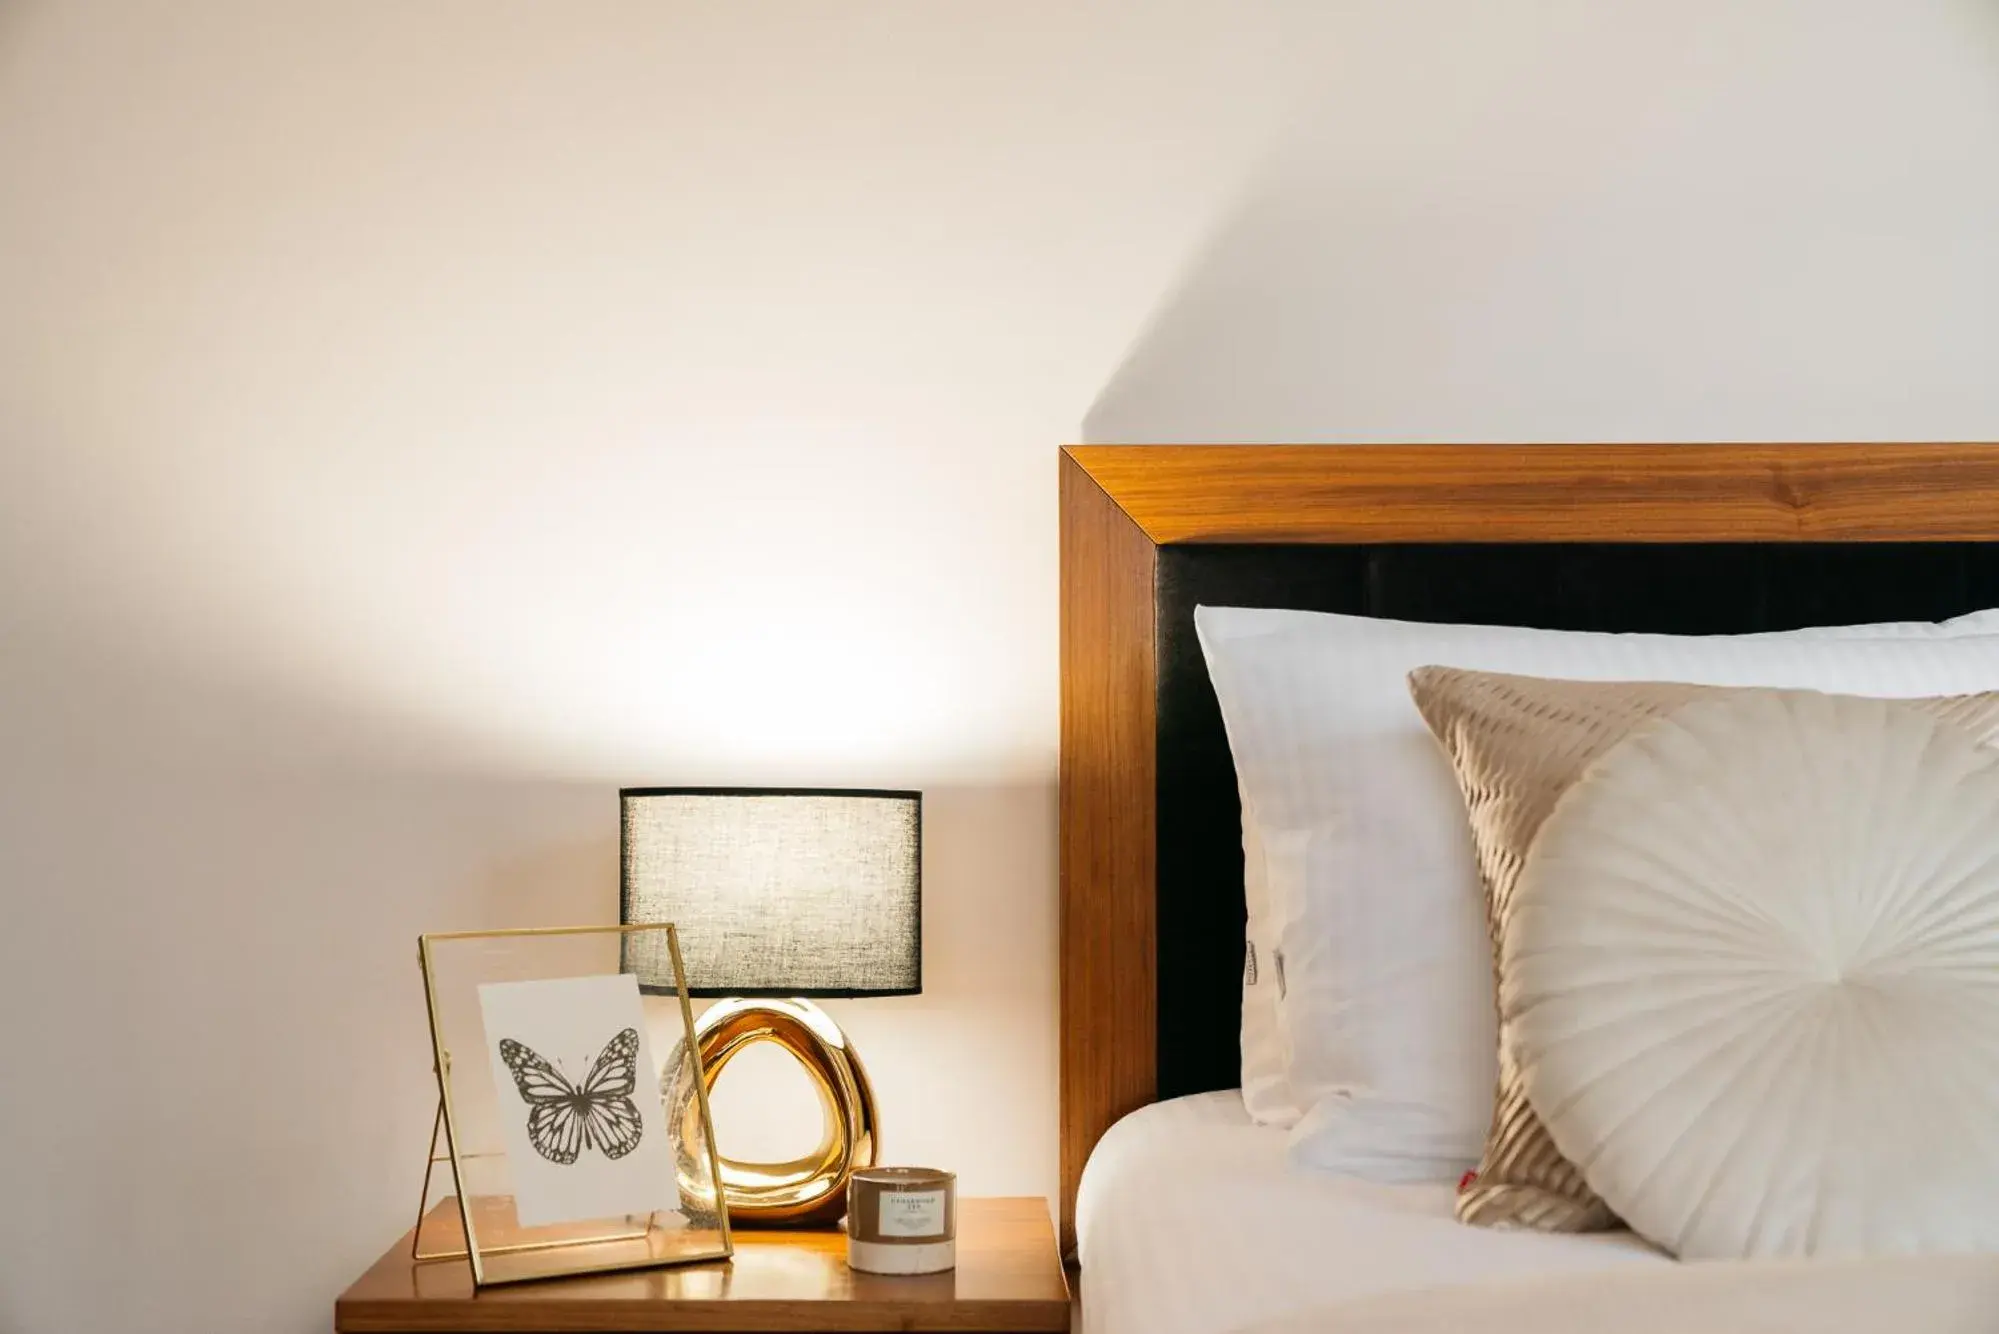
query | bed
[1189, 1219]
[1157, 1255]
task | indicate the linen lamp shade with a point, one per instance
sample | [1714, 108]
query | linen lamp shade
[807, 892]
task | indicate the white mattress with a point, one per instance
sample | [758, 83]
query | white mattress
[1191, 1220]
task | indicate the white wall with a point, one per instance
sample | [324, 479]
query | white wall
[416, 420]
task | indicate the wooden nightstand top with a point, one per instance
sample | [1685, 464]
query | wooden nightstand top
[1008, 1281]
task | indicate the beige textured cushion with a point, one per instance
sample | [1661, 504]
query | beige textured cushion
[1517, 744]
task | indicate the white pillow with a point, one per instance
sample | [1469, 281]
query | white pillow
[1266, 1089]
[1370, 1028]
[1752, 968]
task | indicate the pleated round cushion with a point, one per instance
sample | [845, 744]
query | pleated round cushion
[1754, 971]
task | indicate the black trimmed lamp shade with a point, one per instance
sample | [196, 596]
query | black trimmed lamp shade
[781, 892]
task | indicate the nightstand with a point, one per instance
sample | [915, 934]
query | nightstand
[1009, 1280]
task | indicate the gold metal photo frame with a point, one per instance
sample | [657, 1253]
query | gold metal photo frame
[476, 1221]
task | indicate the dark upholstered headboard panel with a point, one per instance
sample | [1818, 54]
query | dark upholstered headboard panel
[1676, 589]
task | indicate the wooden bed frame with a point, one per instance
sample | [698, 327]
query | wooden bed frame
[1120, 503]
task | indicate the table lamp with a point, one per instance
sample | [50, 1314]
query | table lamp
[780, 896]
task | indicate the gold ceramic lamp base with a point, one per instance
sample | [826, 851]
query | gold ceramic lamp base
[810, 1190]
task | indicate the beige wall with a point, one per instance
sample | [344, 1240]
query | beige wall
[421, 418]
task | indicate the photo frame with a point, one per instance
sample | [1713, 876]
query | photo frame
[561, 1117]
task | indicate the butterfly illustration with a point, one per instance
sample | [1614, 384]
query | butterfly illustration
[563, 1118]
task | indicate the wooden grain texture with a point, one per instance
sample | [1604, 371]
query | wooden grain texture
[1009, 1280]
[1552, 493]
[1107, 847]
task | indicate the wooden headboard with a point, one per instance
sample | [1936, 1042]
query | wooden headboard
[1121, 504]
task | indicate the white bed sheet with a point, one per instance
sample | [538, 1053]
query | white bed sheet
[1191, 1220]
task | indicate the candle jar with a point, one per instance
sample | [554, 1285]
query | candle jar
[902, 1220]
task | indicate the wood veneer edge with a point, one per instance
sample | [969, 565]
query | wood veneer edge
[1106, 831]
[721, 1317]
[1749, 492]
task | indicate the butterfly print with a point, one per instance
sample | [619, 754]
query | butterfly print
[563, 1118]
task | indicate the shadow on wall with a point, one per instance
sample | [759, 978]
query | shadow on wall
[222, 967]
[1693, 223]
[71, 697]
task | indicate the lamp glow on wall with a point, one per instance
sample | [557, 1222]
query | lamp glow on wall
[783, 896]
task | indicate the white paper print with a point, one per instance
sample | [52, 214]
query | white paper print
[579, 1099]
